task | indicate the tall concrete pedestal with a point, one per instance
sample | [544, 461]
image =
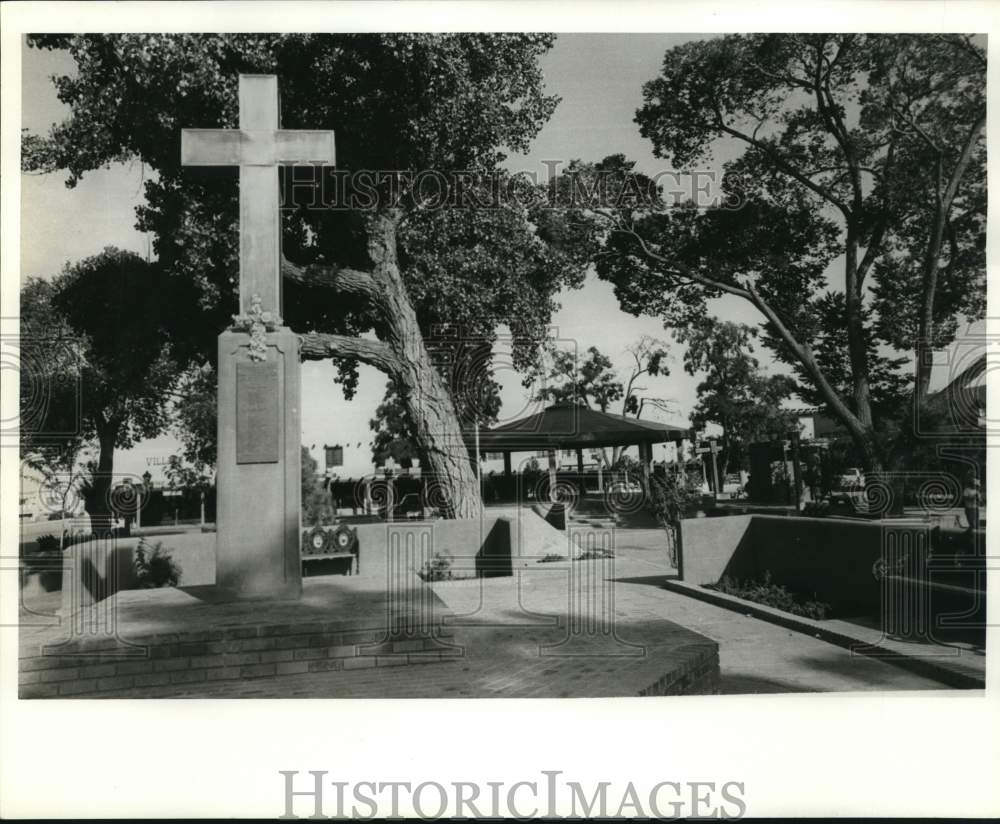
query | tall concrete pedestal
[259, 475]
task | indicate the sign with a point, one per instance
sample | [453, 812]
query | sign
[258, 416]
[713, 448]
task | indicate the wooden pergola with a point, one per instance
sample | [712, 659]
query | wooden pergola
[569, 425]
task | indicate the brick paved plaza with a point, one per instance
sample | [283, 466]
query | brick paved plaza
[508, 632]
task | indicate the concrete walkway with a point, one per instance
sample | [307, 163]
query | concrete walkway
[754, 656]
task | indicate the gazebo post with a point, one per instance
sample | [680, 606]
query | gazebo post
[552, 475]
[506, 464]
[645, 458]
[579, 460]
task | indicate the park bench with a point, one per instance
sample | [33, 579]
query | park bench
[335, 546]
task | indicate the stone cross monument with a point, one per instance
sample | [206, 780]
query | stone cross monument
[258, 475]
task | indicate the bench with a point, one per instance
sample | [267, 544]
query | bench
[335, 546]
[346, 559]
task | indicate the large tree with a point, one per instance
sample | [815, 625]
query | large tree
[569, 378]
[734, 392]
[853, 212]
[564, 376]
[104, 331]
[195, 412]
[370, 279]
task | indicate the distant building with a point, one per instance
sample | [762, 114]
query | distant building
[960, 407]
[31, 506]
[354, 460]
[815, 425]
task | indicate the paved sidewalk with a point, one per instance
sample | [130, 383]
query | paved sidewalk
[754, 656]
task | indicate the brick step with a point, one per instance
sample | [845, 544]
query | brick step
[236, 654]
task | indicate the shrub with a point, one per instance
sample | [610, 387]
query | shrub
[674, 495]
[47, 543]
[437, 568]
[154, 567]
[317, 503]
[551, 557]
[769, 594]
[591, 554]
[41, 558]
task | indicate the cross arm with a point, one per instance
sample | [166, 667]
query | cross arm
[304, 146]
[232, 147]
[211, 147]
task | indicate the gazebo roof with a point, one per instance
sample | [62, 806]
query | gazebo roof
[566, 425]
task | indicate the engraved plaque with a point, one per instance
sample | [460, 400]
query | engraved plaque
[258, 416]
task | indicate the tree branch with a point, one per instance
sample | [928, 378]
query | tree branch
[910, 121]
[873, 249]
[784, 166]
[963, 161]
[800, 351]
[320, 346]
[874, 246]
[804, 355]
[679, 270]
[343, 279]
[835, 123]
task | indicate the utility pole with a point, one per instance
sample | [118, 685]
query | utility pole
[479, 463]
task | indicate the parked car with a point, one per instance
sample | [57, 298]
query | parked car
[625, 487]
[852, 478]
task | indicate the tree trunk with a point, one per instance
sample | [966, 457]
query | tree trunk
[427, 397]
[925, 331]
[857, 345]
[858, 423]
[859, 432]
[399, 352]
[928, 285]
[944, 198]
[98, 499]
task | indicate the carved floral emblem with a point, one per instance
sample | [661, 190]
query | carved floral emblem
[257, 323]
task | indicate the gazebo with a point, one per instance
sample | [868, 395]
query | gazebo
[569, 425]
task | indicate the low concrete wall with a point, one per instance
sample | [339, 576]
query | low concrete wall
[832, 558]
[505, 537]
[553, 514]
[835, 559]
[709, 546]
[462, 539]
[532, 537]
[97, 569]
[31, 531]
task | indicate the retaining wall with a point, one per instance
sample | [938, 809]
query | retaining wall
[838, 560]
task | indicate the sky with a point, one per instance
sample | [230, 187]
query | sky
[599, 78]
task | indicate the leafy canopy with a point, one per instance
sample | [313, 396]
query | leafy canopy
[104, 332]
[845, 140]
[734, 392]
[397, 102]
[851, 216]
